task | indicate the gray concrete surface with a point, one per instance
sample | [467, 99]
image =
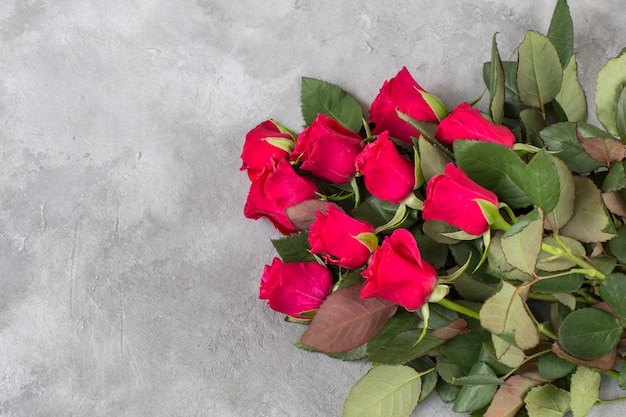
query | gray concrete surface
[128, 274]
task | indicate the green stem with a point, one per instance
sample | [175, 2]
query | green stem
[611, 373]
[590, 269]
[551, 299]
[614, 400]
[451, 305]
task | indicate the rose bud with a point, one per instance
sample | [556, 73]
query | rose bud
[397, 273]
[327, 149]
[387, 174]
[295, 288]
[341, 239]
[274, 191]
[264, 144]
[401, 93]
[451, 197]
[466, 122]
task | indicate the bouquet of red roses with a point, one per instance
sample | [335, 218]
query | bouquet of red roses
[478, 255]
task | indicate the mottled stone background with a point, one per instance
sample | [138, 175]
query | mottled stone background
[128, 274]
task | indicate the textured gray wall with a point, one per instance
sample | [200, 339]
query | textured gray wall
[128, 274]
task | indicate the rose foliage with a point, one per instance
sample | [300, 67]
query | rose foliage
[476, 254]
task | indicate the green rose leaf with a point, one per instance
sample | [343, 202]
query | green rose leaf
[561, 284]
[616, 178]
[429, 380]
[539, 72]
[590, 221]
[552, 367]
[473, 397]
[505, 312]
[562, 139]
[386, 390]
[613, 292]
[541, 181]
[564, 209]
[521, 244]
[322, 97]
[495, 167]
[609, 86]
[507, 353]
[589, 333]
[465, 349]
[621, 115]
[344, 321]
[512, 103]
[395, 344]
[617, 245]
[547, 401]
[561, 31]
[294, 248]
[572, 97]
[532, 124]
[432, 159]
[496, 84]
[584, 388]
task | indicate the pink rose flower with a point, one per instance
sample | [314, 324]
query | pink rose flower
[295, 288]
[258, 153]
[400, 93]
[274, 191]
[466, 122]
[334, 236]
[327, 150]
[387, 174]
[397, 273]
[451, 197]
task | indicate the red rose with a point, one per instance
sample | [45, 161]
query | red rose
[397, 273]
[258, 151]
[451, 197]
[400, 93]
[387, 174]
[466, 122]
[334, 236]
[294, 288]
[327, 150]
[274, 191]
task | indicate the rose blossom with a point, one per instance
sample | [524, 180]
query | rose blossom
[274, 191]
[451, 197]
[259, 153]
[400, 93]
[397, 273]
[387, 174]
[334, 236]
[466, 122]
[327, 150]
[294, 288]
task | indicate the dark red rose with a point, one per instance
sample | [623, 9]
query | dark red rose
[451, 197]
[466, 122]
[264, 144]
[401, 93]
[327, 150]
[387, 174]
[274, 191]
[334, 235]
[295, 288]
[397, 273]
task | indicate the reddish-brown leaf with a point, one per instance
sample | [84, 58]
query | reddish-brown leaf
[344, 321]
[303, 214]
[615, 202]
[509, 399]
[451, 330]
[603, 150]
[604, 363]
